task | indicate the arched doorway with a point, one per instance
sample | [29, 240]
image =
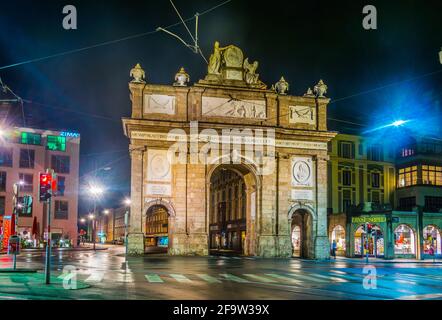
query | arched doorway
[157, 228]
[338, 235]
[432, 239]
[404, 240]
[232, 209]
[302, 234]
[375, 242]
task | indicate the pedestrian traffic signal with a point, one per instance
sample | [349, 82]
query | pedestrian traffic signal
[45, 186]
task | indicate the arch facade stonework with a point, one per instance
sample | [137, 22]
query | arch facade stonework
[289, 132]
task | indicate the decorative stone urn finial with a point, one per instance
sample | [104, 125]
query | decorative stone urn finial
[282, 86]
[181, 78]
[138, 74]
[320, 89]
[309, 93]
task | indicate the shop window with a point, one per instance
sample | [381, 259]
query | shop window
[30, 138]
[407, 177]
[432, 240]
[338, 235]
[27, 158]
[56, 143]
[433, 204]
[432, 175]
[404, 242]
[375, 244]
[5, 157]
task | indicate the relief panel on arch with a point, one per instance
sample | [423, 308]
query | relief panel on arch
[302, 172]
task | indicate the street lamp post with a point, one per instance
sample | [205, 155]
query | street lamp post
[92, 219]
[127, 202]
[95, 191]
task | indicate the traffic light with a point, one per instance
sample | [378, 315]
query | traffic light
[368, 228]
[45, 186]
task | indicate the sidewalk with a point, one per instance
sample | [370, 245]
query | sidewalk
[380, 260]
[88, 247]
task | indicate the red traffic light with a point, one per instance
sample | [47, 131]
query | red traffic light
[45, 186]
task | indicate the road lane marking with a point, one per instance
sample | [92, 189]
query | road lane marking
[153, 278]
[180, 278]
[233, 278]
[208, 278]
[279, 277]
[261, 279]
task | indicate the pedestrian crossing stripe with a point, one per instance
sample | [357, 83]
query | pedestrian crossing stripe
[259, 278]
[208, 278]
[180, 277]
[331, 278]
[279, 277]
[233, 278]
[95, 277]
[303, 276]
[153, 278]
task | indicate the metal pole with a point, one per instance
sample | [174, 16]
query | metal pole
[48, 245]
[126, 216]
[93, 223]
[366, 243]
[16, 227]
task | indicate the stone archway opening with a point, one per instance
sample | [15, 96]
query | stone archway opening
[157, 229]
[232, 210]
[302, 234]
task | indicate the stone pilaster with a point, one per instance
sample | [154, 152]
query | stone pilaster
[284, 194]
[135, 234]
[322, 244]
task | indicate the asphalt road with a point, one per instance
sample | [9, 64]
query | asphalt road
[214, 277]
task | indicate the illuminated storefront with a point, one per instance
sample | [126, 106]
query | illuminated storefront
[404, 240]
[338, 235]
[375, 242]
[432, 240]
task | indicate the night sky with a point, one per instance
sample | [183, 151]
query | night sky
[374, 77]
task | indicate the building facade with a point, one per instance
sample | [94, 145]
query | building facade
[237, 167]
[24, 153]
[111, 226]
[396, 192]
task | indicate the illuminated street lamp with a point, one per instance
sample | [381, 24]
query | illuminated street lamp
[82, 220]
[106, 211]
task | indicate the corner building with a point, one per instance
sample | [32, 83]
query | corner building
[228, 200]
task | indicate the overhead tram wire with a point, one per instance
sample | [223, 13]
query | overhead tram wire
[60, 54]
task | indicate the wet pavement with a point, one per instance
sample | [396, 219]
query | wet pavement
[108, 276]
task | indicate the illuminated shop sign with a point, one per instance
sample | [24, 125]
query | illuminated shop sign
[369, 219]
[69, 134]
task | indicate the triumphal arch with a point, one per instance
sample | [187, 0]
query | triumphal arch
[228, 165]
